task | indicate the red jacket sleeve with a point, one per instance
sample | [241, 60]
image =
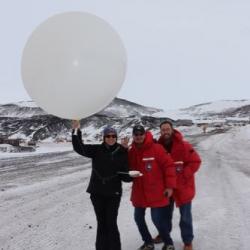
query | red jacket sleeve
[192, 160]
[167, 165]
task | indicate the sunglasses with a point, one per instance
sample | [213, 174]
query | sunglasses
[139, 134]
[110, 136]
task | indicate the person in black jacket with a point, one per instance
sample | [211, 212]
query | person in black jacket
[109, 168]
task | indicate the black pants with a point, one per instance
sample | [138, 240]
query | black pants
[106, 210]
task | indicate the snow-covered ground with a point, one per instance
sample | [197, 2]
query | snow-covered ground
[44, 206]
[42, 148]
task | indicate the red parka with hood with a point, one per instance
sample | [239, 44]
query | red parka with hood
[187, 162]
[158, 173]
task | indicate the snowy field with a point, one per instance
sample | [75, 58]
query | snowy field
[42, 148]
[44, 206]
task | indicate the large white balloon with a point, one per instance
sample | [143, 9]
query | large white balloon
[73, 65]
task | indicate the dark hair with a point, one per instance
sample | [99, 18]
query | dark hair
[138, 128]
[167, 122]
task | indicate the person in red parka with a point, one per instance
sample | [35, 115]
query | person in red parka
[187, 162]
[154, 187]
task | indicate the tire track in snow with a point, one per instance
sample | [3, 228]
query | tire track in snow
[219, 206]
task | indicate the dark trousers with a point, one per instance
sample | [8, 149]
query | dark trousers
[106, 210]
[159, 218]
[186, 222]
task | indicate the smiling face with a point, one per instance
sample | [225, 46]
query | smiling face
[166, 131]
[110, 139]
[139, 138]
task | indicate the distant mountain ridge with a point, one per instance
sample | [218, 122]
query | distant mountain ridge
[223, 109]
[118, 107]
[26, 120]
[227, 107]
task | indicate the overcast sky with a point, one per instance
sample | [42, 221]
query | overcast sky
[180, 52]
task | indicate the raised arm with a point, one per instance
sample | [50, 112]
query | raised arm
[86, 150]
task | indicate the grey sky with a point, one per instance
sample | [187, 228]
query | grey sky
[179, 52]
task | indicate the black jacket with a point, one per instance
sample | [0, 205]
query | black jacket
[107, 162]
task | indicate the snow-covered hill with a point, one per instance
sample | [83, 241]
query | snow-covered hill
[218, 110]
[117, 108]
[27, 121]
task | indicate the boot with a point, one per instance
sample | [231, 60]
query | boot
[168, 247]
[147, 246]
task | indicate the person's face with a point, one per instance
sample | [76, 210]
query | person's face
[138, 137]
[110, 139]
[166, 131]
